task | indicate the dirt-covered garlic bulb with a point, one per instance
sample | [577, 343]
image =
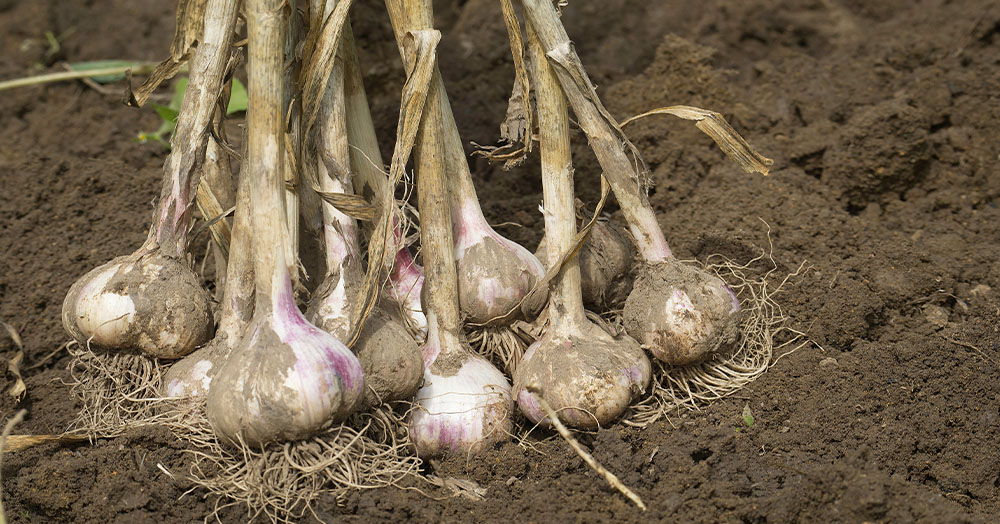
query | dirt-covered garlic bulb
[582, 372]
[605, 260]
[286, 379]
[151, 300]
[680, 313]
[494, 273]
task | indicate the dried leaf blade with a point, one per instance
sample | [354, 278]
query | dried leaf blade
[718, 129]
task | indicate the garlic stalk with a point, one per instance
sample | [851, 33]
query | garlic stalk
[151, 300]
[679, 313]
[584, 373]
[465, 403]
[389, 356]
[406, 278]
[334, 306]
[192, 375]
[494, 273]
[287, 379]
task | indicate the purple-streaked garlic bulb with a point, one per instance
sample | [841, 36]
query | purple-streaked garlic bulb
[465, 403]
[406, 281]
[494, 273]
[286, 379]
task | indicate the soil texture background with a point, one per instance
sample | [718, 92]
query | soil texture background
[883, 119]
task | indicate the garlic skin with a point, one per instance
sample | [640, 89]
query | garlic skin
[334, 307]
[681, 314]
[465, 403]
[494, 273]
[190, 376]
[406, 282]
[605, 260]
[285, 380]
[584, 374]
[152, 302]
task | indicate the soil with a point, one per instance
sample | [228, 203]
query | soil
[882, 118]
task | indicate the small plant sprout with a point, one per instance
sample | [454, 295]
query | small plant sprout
[747, 416]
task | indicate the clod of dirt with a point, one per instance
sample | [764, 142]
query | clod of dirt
[882, 148]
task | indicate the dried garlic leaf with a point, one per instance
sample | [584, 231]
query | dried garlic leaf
[718, 129]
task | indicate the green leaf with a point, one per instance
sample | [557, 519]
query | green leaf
[238, 99]
[179, 88]
[747, 416]
[104, 64]
[166, 113]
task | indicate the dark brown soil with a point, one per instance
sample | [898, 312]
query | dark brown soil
[883, 119]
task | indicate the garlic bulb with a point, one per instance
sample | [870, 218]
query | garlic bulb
[286, 380]
[465, 403]
[681, 314]
[150, 302]
[494, 273]
[584, 373]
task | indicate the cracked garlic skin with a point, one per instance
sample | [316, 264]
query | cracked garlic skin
[152, 302]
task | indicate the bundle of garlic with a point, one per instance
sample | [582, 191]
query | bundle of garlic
[296, 353]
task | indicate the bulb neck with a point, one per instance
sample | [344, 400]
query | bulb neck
[469, 225]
